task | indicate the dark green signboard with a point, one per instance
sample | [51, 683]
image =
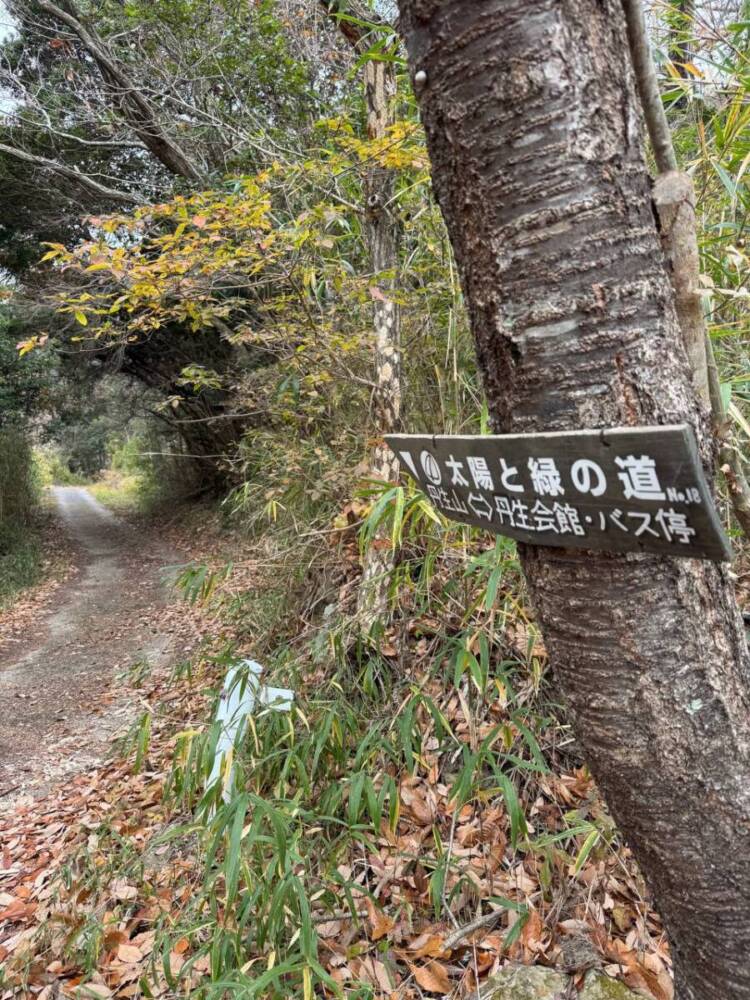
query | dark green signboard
[629, 489]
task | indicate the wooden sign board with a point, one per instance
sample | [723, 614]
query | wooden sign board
[629, 489]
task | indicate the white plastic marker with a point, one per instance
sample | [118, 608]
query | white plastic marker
[241, 692]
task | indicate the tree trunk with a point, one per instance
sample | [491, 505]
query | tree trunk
[381, 234]
[674, 198]
[538, 166]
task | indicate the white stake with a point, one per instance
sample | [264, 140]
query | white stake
[241, 692]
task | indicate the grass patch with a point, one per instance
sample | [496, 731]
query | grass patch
[21, 557]
[392, 801]
[123, 494]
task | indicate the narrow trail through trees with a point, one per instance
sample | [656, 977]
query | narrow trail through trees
[58, 714]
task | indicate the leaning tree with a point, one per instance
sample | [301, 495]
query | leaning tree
[538, 165]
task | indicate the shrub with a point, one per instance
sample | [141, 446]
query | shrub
[20, 482]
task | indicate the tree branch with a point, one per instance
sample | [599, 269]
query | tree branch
[95, 143]
[485, 920]
[134, 107]
[85, 181]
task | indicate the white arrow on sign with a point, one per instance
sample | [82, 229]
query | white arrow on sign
[406, 455]
[480, 505]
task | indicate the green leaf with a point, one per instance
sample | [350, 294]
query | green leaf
[398, 517]
[532, 744]
[492, 585]
[437, 885]
[726, 180]
[232, 861]
[518, 826]
[588, 845]
[726, 395]
[514, 933]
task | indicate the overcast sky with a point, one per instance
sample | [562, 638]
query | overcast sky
[6, 27]
[5, 22]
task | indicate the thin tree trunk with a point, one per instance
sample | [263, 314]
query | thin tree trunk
[381, 234]
[674, 199]
[538, 166]
[682, 36]
[382, 240]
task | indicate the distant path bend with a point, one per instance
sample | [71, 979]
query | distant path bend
[54, 716]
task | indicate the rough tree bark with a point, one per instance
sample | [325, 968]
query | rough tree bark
[538, 166]
[381, 234]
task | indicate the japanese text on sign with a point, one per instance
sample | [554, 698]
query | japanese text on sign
[622, 490]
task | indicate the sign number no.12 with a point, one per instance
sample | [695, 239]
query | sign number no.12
[629, 489]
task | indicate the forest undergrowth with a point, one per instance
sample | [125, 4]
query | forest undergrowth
[421, 818]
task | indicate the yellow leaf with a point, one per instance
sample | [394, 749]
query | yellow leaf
[24, 346]
[693, 70]
[429, 946]
[81, 318]
[380, 924]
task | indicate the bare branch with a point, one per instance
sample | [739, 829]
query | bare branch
[132, 104]
[483, 921]
[94, 143]
[87, 182]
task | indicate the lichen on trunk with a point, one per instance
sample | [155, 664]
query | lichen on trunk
[381, 230]
[381, 233]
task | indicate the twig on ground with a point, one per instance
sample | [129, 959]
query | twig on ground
[325, 918]
[486, 920]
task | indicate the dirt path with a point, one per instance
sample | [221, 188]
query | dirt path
[57, 712]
